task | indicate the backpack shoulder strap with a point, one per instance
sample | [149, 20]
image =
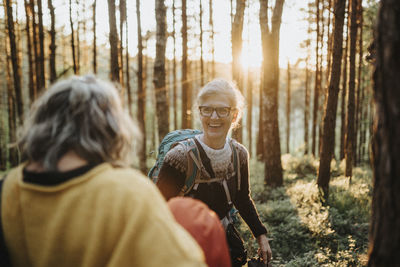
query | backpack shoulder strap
[195, 166]
[236, 160]
[4, 257]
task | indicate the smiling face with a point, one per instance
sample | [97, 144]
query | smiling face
[216, 128]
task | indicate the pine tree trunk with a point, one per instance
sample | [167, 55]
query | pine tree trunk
[15, 60]
[41, 72]
[122, 21]
[71, 22]
[114, 42]
[344, 87]
[329, 121]
[202, 75]
[316, 85]
[306, 109]
[350, 132]
[32, 72]
[94, 38]
[174, 77]
[270, 44]
[384, 235]
[237, 29]
[186, 92]
[260, 135]
[250, 109]
[78, 37]
[53, 73]
[211, 22]
[12, 114]
[141, 94]
[288, 109]
[162, 107]
[127, 71]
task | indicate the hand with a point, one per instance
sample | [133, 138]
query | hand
[264, 249]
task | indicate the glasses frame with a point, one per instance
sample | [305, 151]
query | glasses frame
[215, 109]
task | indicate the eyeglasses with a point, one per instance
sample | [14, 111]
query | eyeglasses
[222, 112]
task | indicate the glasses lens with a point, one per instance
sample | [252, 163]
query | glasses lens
[206, 111]
[223, 112]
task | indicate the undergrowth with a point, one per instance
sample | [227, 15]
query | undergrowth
[303, 229]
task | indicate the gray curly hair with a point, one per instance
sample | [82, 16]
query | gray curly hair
[225, 88]
[82, 114]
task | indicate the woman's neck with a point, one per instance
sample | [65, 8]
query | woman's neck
[213, 143]
[68, 161]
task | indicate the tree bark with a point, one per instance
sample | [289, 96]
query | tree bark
[71, 22]
[94, 38]
[317, 83]
[350, 132]
[202, 76]
[122, 21]
[41, 72]
[15, 60]
[175, 81]
[270, 44]
[288, 109]
[211, 22]
[141, 95]
[306, 109]
[159, 71]
[186, 90]
[53, 73]
[250, 109]
[329, 121]
[32, 72]
[237, 29]
[344, 87]
[114, 54]
[384, 234]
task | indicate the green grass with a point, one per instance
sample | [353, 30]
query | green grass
[305, 230]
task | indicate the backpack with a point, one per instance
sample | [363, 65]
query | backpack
[195, 167]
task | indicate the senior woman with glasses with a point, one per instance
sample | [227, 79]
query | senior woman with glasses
[220, 106]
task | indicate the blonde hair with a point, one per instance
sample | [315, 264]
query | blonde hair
[224, 88]
[83, 114]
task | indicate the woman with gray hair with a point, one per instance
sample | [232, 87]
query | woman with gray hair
[75, 201]
[222, 182]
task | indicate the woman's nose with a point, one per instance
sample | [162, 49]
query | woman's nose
[214, 115]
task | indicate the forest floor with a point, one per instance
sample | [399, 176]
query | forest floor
[304, 230]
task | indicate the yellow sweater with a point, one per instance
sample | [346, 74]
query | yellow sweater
[105, 217]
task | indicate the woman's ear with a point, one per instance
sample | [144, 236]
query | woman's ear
[235, 115]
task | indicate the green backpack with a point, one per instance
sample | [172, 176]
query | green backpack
[195, 172]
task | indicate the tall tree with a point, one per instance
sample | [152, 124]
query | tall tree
[141, 98]
[52, 61]
[317, 81]
[202, 76]
[350, 133]
[32, 71]
[94, 37]
[270, 45]
[344, 88]
[186, 90]
[211, 22]
[385, 221]
[288, 89]
[159, 71]
[73, 48]
[306, 108]
[122, 22]
[174, 71]
[114, 54]
[329, 121]
[249, 119]
[237, 29]
[15, 60]
[41, 71]
[127, 70]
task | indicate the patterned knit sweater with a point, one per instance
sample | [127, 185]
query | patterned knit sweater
[172, 177]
